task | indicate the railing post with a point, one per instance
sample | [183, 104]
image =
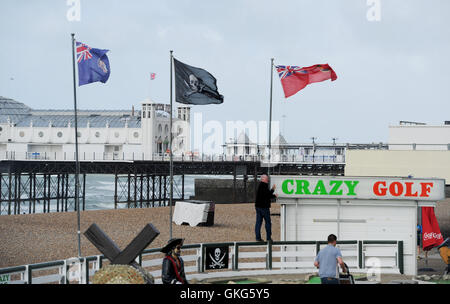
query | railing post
[27, 274]
[400, 256]
[202, 258]
[86, 271]
[99, 263]
[84, 274]
[360, 252]
[62, 272]
[236, 257]
[199, 258]
[66, 272]
[269, 256]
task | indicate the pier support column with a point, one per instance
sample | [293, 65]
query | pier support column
[18, 193]
[165, 190]
[129, 190]
[135, 177]
[116, 180]
[148, 190]
[182, 187]
[234, 185]
[160, 190]
[57, 192]
[245, 188]
[44, 194]
[84, 192]
[9, 192]
[66, 194]
[153, 191]
[141, 196]
[49, 192]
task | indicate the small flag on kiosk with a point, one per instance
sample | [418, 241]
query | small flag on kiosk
[152, 76]
[294, 78]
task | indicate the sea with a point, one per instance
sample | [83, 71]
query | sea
[100, 192]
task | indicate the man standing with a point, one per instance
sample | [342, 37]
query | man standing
[327, 261]
[262, 206]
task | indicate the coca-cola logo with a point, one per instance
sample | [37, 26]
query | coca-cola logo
[431, 235]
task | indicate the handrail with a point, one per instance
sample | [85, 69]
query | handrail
[27, 270]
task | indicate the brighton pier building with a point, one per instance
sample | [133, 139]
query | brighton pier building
[27, 133]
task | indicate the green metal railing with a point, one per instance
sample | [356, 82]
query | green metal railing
[26, 271]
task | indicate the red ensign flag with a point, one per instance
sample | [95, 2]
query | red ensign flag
[294, 78]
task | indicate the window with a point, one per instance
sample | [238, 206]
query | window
[166, 129]
[21, 134]
[136, 134]
[59, 134]
[116, 134]
[78, 134]
[97, 134]
[143, 114]
[41, 134]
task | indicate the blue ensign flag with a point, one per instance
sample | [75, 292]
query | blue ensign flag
[93, 64]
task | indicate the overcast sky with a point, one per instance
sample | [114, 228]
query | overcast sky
[389, 70]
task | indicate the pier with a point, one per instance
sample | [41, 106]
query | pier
[138, 183]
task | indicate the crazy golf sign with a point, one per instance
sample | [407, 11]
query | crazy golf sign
[359, 187]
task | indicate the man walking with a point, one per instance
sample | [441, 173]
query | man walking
[327, 260]
[262, 206]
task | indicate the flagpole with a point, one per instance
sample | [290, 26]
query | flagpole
[170, 145]
[77, 163]
[270, 115]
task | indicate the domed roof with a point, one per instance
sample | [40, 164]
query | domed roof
[9, 106]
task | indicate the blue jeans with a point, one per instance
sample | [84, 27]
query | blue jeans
[329, 281]
[263, 213]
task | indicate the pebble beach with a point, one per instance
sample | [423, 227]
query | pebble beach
[35, 238]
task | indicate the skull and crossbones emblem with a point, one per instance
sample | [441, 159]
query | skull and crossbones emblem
[195, 84]
[217, 260]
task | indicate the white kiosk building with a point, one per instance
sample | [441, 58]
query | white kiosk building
[374, 217]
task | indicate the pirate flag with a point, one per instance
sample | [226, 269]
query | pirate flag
[195, 86]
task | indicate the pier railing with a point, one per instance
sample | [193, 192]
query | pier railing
[134, 156]
[267, 257]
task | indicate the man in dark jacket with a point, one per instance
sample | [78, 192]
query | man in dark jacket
[262, 206]
[173, 264]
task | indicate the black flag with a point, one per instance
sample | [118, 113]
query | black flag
[195, 86]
